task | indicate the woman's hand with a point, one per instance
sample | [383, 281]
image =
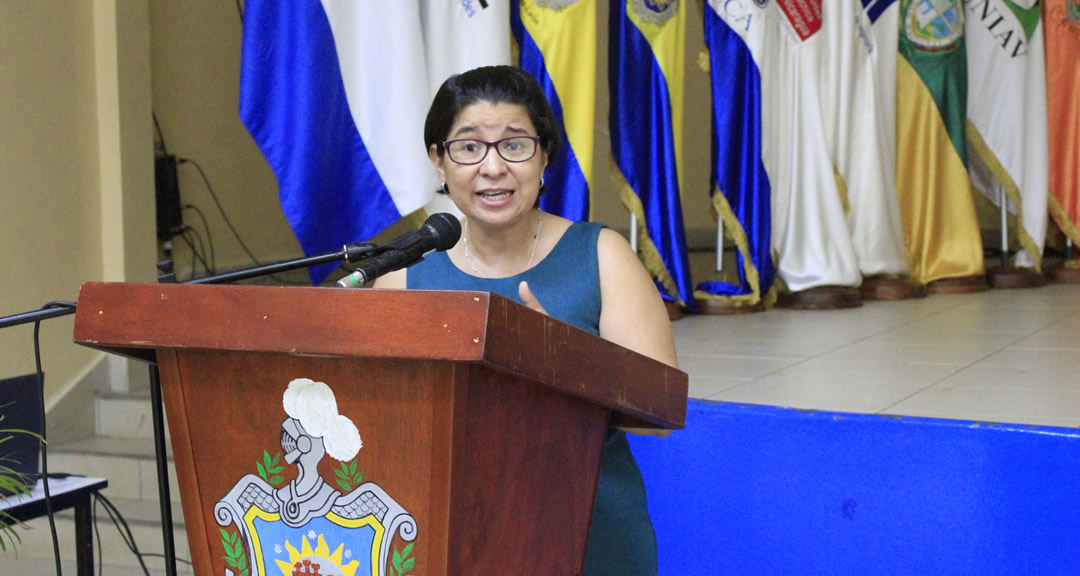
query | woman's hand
[529, 299]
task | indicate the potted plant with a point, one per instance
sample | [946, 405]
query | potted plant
[12, 483]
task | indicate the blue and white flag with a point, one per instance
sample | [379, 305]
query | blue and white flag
[738, 34]
[335, 94]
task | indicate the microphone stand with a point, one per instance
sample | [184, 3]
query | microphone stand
[349, 253]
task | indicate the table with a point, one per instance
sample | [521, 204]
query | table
[68, 492]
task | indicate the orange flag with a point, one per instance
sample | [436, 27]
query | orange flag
[1062, 18]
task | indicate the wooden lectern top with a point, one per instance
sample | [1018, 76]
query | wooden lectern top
[135, 320]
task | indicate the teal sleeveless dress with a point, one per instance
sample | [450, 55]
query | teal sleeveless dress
[567, 284]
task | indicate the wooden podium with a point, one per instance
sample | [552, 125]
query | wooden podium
[481, 421]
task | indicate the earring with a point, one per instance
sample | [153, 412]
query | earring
[541, 181]
[444, 188]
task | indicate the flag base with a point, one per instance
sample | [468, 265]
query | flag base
[1063, 275]
[1009, 277]
[724, 306]
[674, 311]
[958, 285]
[821, 298]
[886, 287]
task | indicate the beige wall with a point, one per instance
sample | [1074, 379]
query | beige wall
[49, 202]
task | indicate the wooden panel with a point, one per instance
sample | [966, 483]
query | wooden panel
[317, 321]
[643, 392]
[417, 324]
[234, 403]
[522, 498]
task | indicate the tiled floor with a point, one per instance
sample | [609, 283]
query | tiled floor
[998, 356]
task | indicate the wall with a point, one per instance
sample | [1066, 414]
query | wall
[49, 169]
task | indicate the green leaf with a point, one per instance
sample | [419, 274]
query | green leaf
[408, 565]
[344, 485]
[407, 550]
[358, 478]
[277, 458]
[262, 471]
[230, 561]
[276, 469]
[276, 480]
[341, 474]
[397, 560]
[243, 572]
[352, 467]
[225, 535]
[241, 563]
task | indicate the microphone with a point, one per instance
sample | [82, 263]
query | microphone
[439, 232]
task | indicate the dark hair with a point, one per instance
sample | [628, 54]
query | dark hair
[497, 85]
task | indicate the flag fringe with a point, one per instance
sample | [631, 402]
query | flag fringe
[734, 231]
[1067, 226]
[654, 263]
[1011, 190]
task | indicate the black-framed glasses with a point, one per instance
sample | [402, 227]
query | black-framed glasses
[472, 151]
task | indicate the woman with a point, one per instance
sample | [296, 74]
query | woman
[490, 134]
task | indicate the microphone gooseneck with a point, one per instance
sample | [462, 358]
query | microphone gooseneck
[439, 232]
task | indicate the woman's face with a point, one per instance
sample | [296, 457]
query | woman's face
[493, 191]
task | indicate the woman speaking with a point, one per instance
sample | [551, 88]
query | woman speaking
[490, 134]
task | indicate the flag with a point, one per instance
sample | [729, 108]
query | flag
[810, 232]
[334, 93]
[1063, 103]
[1006, 129]
[738, 36]
[855, 116]
[936, 209]
[645, 78]
[556, 40]
[460, 36]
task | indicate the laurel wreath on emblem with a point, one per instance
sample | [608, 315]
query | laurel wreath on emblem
[934, 24]
[654, 12]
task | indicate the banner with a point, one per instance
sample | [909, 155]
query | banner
[645, 76]
[334, 93]
[856, 114]
[1006, 113]
[460, 36]
[936, 209]
[739, 35]
[1063, 102]
[810, 231]
[557, 44]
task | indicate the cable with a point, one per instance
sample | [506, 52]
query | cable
[125, 532]
[200, 252]
[214, 196]
[209, 239]
[161, 136]
[44, 441]
[195, 252]
[228, 222]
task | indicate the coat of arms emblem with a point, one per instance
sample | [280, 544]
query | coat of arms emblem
[933, 25]
[307, 526]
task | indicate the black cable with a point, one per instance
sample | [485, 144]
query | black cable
[201, 251]
[209, 239]
[97, 535]
[228, 222]
[44, 440]
[214, 196]
[161, 135]
[195, 252]
[125, 532]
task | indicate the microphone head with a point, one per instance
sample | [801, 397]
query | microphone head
[445, 228]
